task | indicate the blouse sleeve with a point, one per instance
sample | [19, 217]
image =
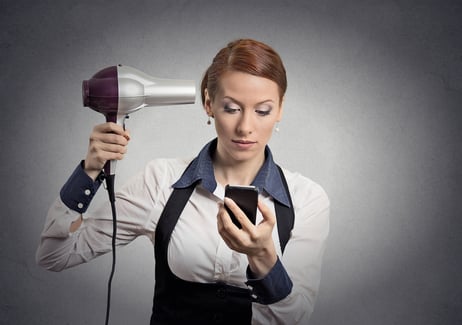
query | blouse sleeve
[138, 203]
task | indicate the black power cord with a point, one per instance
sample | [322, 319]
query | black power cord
[110, 190]
[110, 180]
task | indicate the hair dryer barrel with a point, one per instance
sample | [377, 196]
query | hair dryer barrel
[136, 85]
[170, 92]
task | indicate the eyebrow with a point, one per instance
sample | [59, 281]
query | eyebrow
[242, 105]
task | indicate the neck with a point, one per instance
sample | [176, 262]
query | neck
[229, 171]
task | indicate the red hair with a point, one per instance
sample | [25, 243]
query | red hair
[249, 56]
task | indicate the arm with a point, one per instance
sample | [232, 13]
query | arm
[289, 286]
[254, 241]
[107, 141]
[302, 261]
[138, 203]
[266, 276]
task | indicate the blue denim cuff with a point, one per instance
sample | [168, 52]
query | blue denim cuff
[275, 286]
[79, 189]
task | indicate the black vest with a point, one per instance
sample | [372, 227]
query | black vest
[177, 301]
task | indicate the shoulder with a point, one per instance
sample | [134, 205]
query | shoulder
[305, 192]
[166, 170]
[155, 180]
[158, 173]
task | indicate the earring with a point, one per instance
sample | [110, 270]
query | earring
[209, 121]
[277, 127]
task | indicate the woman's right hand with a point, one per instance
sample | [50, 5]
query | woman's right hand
[108, 141]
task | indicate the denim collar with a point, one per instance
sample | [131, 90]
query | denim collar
[201, 169]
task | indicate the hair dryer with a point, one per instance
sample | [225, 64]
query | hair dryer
[117, 91]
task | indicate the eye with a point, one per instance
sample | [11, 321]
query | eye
[230, 108]
[263, 111]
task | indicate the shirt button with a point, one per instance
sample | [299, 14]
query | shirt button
[80, 205]
[221, 293]
[217, 318]
[87, 192]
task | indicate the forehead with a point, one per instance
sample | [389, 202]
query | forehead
[240, 85]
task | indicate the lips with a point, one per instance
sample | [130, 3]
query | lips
[244, 141]
[244, 144]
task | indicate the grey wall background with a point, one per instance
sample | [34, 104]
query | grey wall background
[373, 113]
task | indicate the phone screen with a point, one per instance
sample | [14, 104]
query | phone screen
[246, 197]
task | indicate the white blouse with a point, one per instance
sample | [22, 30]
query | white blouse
[196, 251]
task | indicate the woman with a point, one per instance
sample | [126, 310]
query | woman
[207, 269]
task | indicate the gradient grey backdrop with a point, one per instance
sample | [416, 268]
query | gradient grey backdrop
[373, 113]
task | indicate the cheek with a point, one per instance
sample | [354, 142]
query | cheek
[268, 131]
[268, 128]
[221, 126]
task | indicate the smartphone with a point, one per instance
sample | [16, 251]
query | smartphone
[246, 197]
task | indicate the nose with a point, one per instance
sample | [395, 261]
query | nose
[245, 125]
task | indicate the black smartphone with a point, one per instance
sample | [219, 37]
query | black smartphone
[246, 197]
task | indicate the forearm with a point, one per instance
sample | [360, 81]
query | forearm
[58, 245]
[261, 264]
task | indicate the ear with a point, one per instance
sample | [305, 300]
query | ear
[207, 103]
[281, 110]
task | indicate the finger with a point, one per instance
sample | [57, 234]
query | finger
[238, 213]
[127, 135]
[111, 127]
[266, 213]
[111, 148]
[108, 142]
[110, 131]
[113, 138]
[220, 216]
[100, 152]
[224, 220]
[230, 233]
[227, 231]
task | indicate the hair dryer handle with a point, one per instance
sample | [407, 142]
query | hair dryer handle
[110, 165]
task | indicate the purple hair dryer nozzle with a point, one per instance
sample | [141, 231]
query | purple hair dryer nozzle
[101, 92]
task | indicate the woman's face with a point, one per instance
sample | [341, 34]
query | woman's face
[246, 109]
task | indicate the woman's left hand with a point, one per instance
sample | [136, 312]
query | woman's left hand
[255, 241]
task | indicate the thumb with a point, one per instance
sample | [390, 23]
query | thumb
[266, 212]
